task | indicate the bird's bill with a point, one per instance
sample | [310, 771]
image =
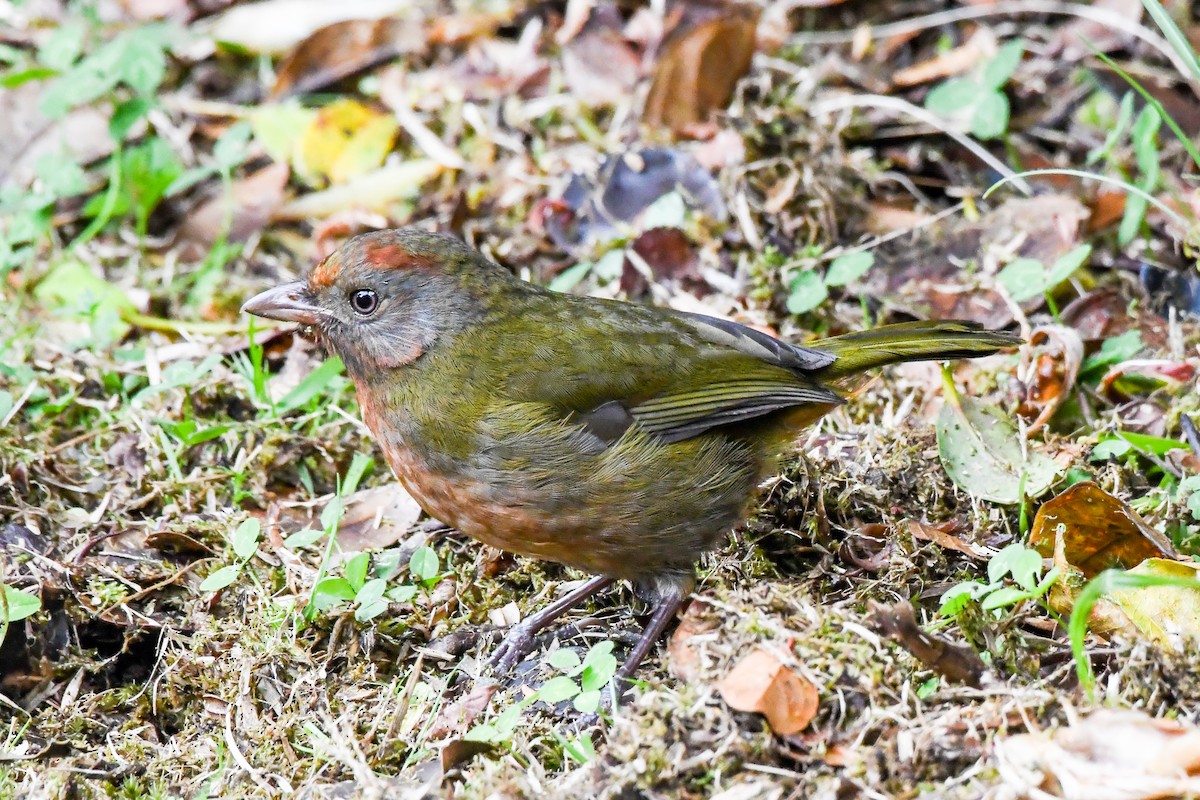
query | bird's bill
[287, 303]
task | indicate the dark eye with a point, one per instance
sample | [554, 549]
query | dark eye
[364, 302]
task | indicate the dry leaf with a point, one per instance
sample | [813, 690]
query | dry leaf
[1100, 531]
[1169, 615]
[668, 255]
[955, 61]
[1054, 355]
[254, 199]
[760, 682]
[699, 67]
[275, 26]
[345, 140]
[344, 48]
[376, 518]
[684, 656]
[943, 536]
[26, 136]
[600, 64]
[1080, 37]
[375, 191]
[456, 717]
[922, 274]
[1110, 755]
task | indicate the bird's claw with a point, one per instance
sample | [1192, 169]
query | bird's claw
[515, 645]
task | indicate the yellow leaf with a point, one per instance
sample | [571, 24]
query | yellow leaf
[1170, 615]
[344, 140]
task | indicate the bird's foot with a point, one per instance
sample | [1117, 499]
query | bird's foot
[520, 639]
[517, 643]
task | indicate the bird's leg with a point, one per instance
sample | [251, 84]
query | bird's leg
[659, 620]
[666, 594]
[519, 639]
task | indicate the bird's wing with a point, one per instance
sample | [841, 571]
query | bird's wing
[675, 375]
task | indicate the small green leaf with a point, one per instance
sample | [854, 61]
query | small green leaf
[1022, 563]
[849, 267]
[424, 564]
[599, 667]
[356, 570]
[570, 277]
[928, 688]
[358, 467]
[331, 591]
[586, 702]
[982, 452]
[370, 600]
[564, 659]
[1023, 278]
[990, 119]
[807, 291]
[402, 593]
[1001, 66]
[950, 98]
[20, 604]
[245, 538]
[302, 538]
[1003, 597]
[955, 598]
[1109, 448]
[320, 380]
[1065, 265]
[557, 689]
[331, 515]
[1113, 351]
[221, 578]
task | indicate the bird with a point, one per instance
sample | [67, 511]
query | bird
[620, 439]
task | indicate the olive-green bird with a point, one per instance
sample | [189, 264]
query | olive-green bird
[618, 439]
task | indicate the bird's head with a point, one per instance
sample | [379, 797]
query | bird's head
[382, 299]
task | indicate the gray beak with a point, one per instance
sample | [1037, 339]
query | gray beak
[287, 303]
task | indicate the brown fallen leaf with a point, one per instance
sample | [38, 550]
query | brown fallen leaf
[1053, 358]
[1099, 531]
[1081, 37]
[456, 717]
[898, 622]
[276, 26]
[247, 209]
[27, 136]
[668, 255]
[599, 63]
[955, 61]
[339, 50]
[943, 536]
[1109, 755]
[684, 655]
[761, 683]
[699, 66]
[376, 518]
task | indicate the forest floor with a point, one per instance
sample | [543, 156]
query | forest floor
[215, 588]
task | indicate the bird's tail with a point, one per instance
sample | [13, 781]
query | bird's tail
[909, 341]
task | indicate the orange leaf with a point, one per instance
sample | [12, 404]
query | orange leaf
[761, 682]
[1100, 531]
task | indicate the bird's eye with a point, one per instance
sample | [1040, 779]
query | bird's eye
[364, 302]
